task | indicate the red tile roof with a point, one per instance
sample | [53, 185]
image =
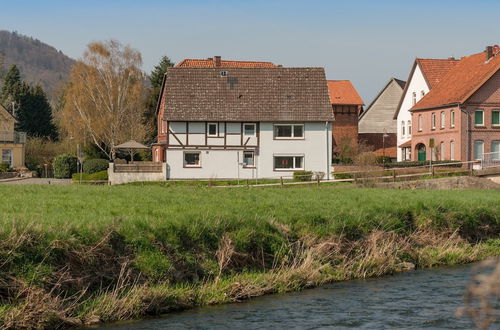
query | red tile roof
[461, 82]
[407, 144]
[211, 63]
[435, 69]
[343, 92]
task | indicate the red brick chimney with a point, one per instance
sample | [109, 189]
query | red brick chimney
[489, 52]
[217, 61]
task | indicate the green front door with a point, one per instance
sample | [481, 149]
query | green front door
[421, 152]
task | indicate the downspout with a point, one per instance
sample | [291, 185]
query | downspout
[328, 153]
[467, 133]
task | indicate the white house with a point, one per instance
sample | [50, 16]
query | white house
[424, 75]
[244, 122]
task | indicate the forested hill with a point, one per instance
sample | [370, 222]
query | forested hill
[39, 63]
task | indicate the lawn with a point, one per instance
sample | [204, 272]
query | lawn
[120, 252]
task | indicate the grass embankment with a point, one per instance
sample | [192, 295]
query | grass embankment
[85, 254]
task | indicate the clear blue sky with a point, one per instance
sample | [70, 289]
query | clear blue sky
[364, 41]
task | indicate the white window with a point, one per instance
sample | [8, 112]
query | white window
[192, 159]
[479, 118]
[420, 123]
[452, 150]
[249, 129]
[213, 129]
[283, 131]
[157, 156]
[422, 94]
[495, 118]
[414, 98]
[442, 151]
[478, 150]
[288, 163]
[409, 127]
[7, 156]
[403, 133]
[443, 118]
[452, 119]
[248, 159]
[433, 120]
[495, 149]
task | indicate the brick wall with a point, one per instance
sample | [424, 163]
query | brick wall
[345, 124]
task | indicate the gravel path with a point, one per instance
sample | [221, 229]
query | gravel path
[36, 181]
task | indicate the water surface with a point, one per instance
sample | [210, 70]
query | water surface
[415, 300]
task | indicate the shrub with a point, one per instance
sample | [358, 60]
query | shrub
[95, 165]
[422, 163]
[98, 176]
[64, 166]
[302, 175]
[4, 167]
[383, 160]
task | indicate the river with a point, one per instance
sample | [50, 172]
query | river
[413, 300]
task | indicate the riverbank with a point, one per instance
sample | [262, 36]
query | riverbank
[89, 254]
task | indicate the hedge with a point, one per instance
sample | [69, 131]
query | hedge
[64, 166]
[98, 176]
[422, 163]
[302, 175]
[95, 165]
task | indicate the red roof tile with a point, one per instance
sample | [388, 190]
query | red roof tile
[461, 82]
[343, 92]
[434, 70]
[211, 63]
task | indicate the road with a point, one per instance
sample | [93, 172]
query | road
[37, 181]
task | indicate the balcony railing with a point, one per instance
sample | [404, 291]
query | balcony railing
[12, 137]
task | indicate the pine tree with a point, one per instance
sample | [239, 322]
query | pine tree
[34, 114]
[156, 79]
[11, 85]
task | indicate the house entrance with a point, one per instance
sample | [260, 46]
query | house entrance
[421, 152]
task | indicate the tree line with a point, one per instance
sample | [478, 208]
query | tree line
[108, 100]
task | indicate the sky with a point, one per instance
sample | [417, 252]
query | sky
[367, 42]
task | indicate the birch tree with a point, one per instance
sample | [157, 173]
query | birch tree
[104, 100]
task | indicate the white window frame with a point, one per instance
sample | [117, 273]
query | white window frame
[292, 137]
[294, 161]
[216, 129]
[443, 119]
[420, 122]
[403, 130]
[9, 160]
[476, 124]
[254, 129]
[442, 151]
[409, 127]
[253, 157]
[452, 150]
[433, 120]
[452, 119]
[422, 94]
[414, 98]
[191, 152]
[475, 149]
[497, 111]
[494, 153]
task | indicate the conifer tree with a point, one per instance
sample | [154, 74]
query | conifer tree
[156, 79]
[11, 85]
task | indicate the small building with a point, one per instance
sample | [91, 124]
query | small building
[12, 143]
[425, 75]
[347, 105]
[377, 125]
[233, 122]
[459, 119]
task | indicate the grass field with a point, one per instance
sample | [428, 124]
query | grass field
[102, 253]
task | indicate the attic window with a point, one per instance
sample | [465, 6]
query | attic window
[223, 73]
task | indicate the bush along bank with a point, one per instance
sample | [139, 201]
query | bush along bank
[108, 275]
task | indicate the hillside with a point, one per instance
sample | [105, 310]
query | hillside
[38, 62]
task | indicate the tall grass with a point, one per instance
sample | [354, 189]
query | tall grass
[99, 253]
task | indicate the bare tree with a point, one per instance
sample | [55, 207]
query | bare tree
[104, 99]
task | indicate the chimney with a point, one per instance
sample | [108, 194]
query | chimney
[217, 61]
[489, 52]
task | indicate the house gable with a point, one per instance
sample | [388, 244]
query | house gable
[379, 115]
[488, 93]
[6, 120]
